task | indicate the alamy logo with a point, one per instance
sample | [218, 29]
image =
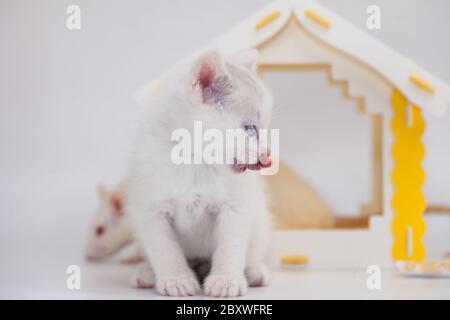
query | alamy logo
[243, 148]
[73, 281]
[73, 21]
[374, 20]
[373, 281]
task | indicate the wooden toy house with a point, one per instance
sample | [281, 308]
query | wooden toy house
[300, 34]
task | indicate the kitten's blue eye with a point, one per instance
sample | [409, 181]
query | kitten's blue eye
[250, 129]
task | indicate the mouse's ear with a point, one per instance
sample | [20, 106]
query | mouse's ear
[102, 191]
[247, 58]
[211, 76]
[116, 200]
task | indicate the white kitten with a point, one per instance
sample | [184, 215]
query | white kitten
[217, 213]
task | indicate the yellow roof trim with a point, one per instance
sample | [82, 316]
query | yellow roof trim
[267, 20]
[318, 18]
[292, 260]
[421, 83]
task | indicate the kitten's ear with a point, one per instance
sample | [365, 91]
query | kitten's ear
[116, 200]
[247, 58]
[211, 76]
[102, 191]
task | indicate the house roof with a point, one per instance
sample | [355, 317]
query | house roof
[418, 85]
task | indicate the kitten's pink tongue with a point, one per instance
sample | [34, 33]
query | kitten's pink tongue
[259, 165]
[239, 168]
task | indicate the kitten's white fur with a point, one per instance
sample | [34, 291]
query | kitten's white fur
[187, 212]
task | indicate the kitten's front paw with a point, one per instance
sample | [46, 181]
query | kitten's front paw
[178, 285]
[257, 276]
[143, 277]
[225, 285]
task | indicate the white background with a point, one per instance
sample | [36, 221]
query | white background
[67, 118]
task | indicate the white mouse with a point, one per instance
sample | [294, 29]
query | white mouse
[109, 230]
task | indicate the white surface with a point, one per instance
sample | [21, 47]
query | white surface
[67, 117]
[112, 282]
[35, 268]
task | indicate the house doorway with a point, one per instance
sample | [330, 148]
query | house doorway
[330, 151]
